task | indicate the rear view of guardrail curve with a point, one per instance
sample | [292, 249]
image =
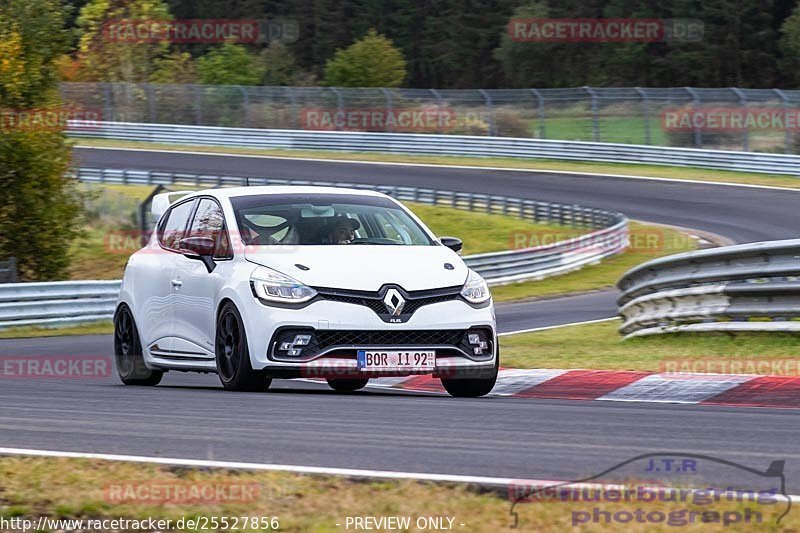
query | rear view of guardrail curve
[746, 287]
[60, 303]
[430, 144]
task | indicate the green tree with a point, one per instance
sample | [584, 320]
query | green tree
[279, 65]
[525, 63]
[230, 64]
[790, 46]
[40, 207]
[370, 62]
[104, 54]
[177, 67]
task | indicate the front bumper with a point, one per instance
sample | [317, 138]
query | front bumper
[346, 328]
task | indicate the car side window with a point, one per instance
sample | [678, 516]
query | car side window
[209, 221]
[172, 229]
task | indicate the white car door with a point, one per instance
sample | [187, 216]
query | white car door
[154, 283]
[196, 292]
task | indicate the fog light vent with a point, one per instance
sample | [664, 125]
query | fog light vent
[293, 347]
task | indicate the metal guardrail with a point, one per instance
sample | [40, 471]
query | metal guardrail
[57, 303]
[60, 303]
[746, 287]
[448, 145]
[631, 115]
[8, 271]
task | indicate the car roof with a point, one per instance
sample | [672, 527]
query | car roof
[229, 192]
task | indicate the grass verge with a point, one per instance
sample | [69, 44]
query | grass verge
[504, 162]
[599, 347]
[83, 489]
[97, 328]
[483, 232]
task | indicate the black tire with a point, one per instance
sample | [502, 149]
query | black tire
[233, 356]
[128, 352]
[471, 388]
[347, 385]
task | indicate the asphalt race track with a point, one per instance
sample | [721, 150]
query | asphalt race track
[189, 416]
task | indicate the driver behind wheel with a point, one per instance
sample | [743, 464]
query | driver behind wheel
[342, 230]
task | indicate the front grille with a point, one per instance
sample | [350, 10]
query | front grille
[327, 338]
[374, 300]
[344, 343]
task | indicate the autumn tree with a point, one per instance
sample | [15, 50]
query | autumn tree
[372, 61]
[39, 205]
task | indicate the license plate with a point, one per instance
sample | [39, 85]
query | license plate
[372, 360]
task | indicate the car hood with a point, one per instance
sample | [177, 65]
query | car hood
[364, 267]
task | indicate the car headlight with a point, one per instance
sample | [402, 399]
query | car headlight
[273, 286]
[475, 290]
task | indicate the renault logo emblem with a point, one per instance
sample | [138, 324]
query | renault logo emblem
[394, 302]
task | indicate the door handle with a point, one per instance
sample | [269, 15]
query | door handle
[177, 283]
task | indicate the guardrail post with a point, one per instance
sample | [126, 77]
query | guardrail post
[595, 121]
[198, 105]
[108, 104]
[8, 271]
[388, 96]
[293, 106]
[440, 105]
[245, 106]
[540, 106]
[698, 134]
[646, 109]
[743, 102]
[151, 103]
[490, 108]
[339, 104]
[787, 136]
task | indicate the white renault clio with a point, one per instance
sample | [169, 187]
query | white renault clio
[257, 283]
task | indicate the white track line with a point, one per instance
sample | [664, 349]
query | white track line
[498, 482]
[231, 465]
[463, 167]
[544, 328]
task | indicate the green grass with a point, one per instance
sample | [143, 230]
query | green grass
[599, 346]
[628, 130]
[85, 489]
[483, 232]
[97, 328]
[109, 235]
[663, 241]
[504, 162]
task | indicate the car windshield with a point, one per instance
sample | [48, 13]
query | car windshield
[325, 219]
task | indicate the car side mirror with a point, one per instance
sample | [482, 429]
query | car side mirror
[199, 249]
[454, 243]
